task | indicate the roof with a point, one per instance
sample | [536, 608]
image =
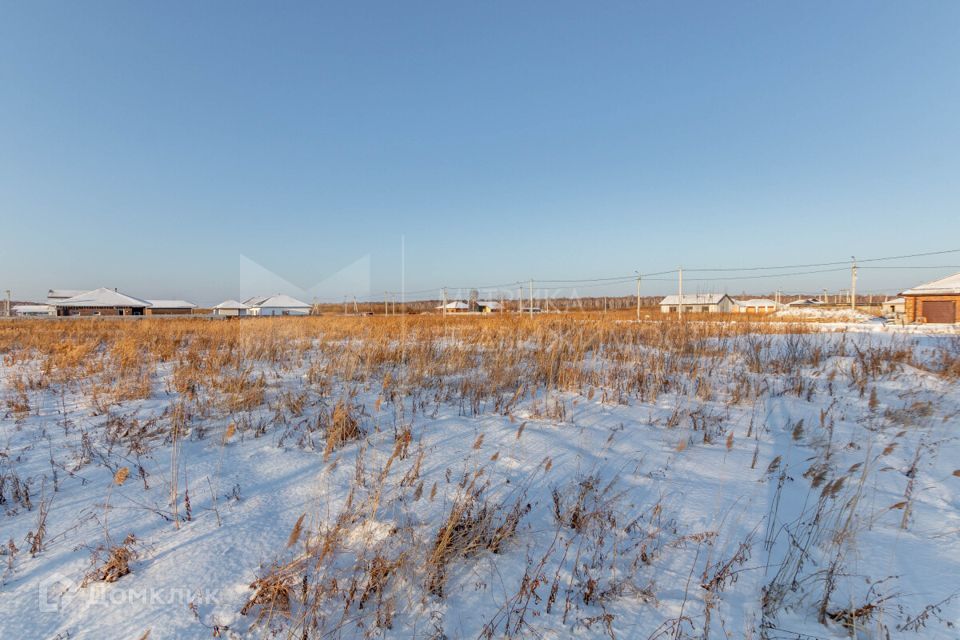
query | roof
[895, 301]
[456, 304]
[63, 294]
[171, 304]
[231, 304]
[944, 286]
[804, 302]
[489, 304]
[695, 298]
[278, 300]
[101, 297]
[757, 302]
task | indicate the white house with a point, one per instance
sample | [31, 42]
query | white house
[55, 295]
[895, 308]
[489, 306]
[699, 303]
[276, 305]
[32, 310]
[757, 305]
[455, 306]
[805, 302]
[170, 308]
[230, 308]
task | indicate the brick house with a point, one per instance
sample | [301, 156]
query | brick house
[934, 302]
[100, 302]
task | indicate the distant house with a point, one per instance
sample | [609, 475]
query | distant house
[489, 306]
[699, 303]
[55, 295]
[276, 305]
[230, 308]
[455, 306]
[805, 302]
[895, 308]
[934, 302]
[170, 307]
[757, 305]
[32, 310]
[100, 302]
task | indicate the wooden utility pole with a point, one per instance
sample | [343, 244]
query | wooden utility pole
[680, 293]
[531, 297]
[638, 298]
[853, 284]
[443, 301]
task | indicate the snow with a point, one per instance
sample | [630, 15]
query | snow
[684, 480]
[820, 313]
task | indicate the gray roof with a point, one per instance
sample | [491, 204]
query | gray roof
[231, 304]
[102, 297]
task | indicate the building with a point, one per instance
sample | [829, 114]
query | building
[805, 302]
[55, 295]
[895, 308]
[934, 302]
[32, 310]
[699, 303]
[757, 305]
[489, 306]
[230, 308]
[276, 305]
[170, 308]
[456, 306]
[100, 302]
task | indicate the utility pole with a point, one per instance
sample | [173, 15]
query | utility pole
[531, 297]
[443, 301]
[853, 284]
[638, 297]
[8, 303]
[386, 305]
[680, 293]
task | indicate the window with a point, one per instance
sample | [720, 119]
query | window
[705, 309]
[688, 309]
[672, 309]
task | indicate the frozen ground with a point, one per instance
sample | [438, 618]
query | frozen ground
[816, 313]
[801, 486]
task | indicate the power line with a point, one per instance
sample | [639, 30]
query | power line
[829, 264]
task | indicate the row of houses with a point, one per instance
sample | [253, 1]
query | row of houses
[110, 302]
[933, 302]
[723, 303]
[936, 302]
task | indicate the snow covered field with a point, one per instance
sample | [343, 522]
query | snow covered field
[477, 478]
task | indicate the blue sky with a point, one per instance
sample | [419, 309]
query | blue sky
[222, 149]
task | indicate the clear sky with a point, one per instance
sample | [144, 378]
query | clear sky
[222, 149]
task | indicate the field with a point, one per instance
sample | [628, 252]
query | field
[561, 476]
